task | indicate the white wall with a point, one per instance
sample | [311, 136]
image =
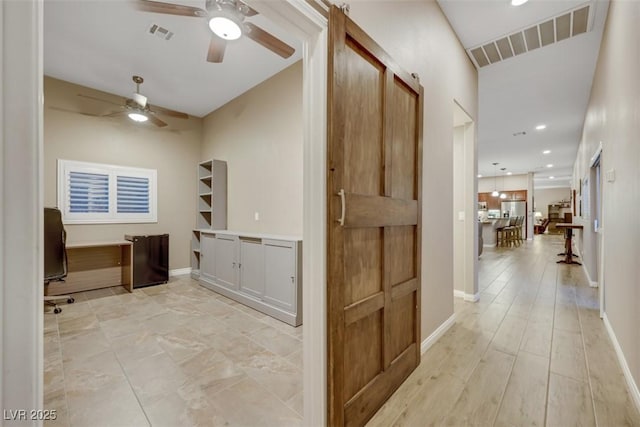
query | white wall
[548, 196]
[418, 36]
[613, 119]
[173, 151]
[259, 135]
[506, 183]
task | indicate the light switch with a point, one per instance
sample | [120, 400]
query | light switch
[256, 216]
[461, 216]
[611, 175]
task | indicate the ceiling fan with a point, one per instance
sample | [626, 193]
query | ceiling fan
[227, 21]
[137, 109]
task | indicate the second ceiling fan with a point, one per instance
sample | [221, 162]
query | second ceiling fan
[227, 21]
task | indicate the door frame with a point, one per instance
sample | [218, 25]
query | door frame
[21, 336]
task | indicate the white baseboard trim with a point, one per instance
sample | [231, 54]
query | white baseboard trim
[180, 271]
[465, 296]
[633, 387]
[435, 336]
[592, 283]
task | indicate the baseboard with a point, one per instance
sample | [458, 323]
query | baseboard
[435, 336]
[180, 271]
[465, 296]
[592, 283]
[633, 387]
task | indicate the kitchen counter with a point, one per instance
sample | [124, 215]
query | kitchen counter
[488, 233]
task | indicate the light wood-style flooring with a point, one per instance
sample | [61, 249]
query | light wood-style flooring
[532, 352]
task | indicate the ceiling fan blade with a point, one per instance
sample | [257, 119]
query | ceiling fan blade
[116, 114]
[217, 47]
[267, 40]
[156, 121]
[72, 111]
[167, 112]
[99, 99]
[169, 8]
[247, 10]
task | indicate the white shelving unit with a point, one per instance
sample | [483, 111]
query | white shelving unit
[212, 205]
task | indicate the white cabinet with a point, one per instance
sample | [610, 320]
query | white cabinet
[226, 261]
[280, 274]
[260, 271]
[207, 256]
[252, 267]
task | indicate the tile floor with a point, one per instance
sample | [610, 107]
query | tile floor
[170, 355]
[533, 351]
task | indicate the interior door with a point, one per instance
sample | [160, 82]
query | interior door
[374, 209]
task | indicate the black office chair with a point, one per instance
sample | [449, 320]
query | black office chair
[55, 255]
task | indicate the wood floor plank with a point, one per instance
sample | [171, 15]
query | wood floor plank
[525, 397]
[567, 355]
[509, 334]
[537, 339]
[478, 403]
[569, 402]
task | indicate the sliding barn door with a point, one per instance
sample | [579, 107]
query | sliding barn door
[374, 209]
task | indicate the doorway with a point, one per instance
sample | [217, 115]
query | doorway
[465, 190]
[21, 340]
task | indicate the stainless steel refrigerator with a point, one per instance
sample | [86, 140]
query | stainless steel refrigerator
[511, 209]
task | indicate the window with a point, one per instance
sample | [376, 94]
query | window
[94, 193]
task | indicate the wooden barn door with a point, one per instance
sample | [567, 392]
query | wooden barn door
[374, 210]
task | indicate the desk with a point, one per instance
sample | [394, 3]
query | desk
[96, 265]
[567, 243]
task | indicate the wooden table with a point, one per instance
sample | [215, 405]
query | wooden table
[96, 265]
[569, 227]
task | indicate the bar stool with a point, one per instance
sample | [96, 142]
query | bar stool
[502, 231]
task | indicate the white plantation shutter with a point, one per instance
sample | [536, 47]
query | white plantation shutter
[133, 194]
[93, 193]
[88, 192]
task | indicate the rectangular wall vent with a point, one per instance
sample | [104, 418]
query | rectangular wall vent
[160, 32]
[546, 32]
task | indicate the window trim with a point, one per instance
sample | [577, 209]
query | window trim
[64, 167]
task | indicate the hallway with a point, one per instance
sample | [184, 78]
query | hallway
[532, 351]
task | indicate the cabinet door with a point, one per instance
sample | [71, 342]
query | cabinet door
[280, 281]
[251, 267]
[207, 252]
[226, 263]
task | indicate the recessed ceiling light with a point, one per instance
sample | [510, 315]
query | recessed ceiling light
[546, 152]
[552, 177]
[509, 173]
[479, 175]
[541, 127]
[518, 2]
[549, 165]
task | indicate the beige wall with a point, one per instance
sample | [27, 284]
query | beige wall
[418, 36]
[259, 135]
[548, 196]
[613, 118]
[173, 151]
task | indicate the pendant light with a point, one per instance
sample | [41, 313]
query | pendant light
[503, 195]
[495, 190]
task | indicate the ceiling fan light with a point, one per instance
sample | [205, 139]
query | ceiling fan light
[225, 27]
[137, 117]
[139, 99]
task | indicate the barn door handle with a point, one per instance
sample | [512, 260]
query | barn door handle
[342, 207]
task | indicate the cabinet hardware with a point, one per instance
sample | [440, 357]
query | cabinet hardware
[342, 207]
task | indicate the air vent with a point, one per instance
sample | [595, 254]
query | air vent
[160, 32]
[546, 32]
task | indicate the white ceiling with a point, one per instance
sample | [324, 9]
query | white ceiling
[103, 43]
[550, 85]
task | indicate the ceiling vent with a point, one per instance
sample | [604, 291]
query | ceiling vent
[552, 30]
[160, 32]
